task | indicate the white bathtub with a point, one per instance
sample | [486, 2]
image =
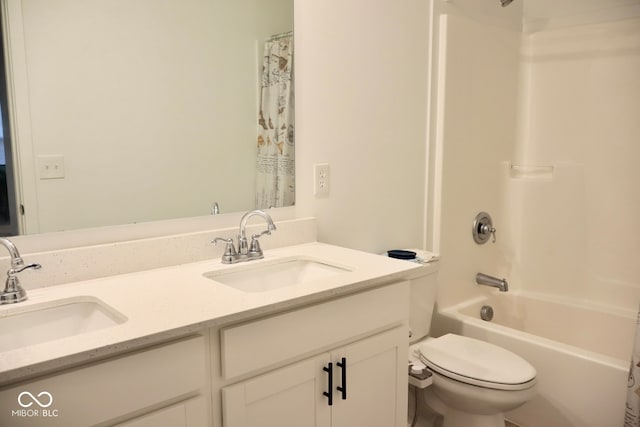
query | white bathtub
[581, 354]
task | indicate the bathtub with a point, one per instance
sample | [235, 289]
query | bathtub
[581, 354]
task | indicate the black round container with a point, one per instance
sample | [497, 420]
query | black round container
[401, 254]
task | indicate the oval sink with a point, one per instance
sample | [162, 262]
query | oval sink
[51, 321]
[269, 276]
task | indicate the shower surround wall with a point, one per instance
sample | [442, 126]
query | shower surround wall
[541, 130]
[576, 231]
[477, 79]
[542, 134]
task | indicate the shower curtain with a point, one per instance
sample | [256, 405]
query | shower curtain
[632, 410]
[275, 164]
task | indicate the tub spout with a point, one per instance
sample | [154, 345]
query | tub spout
[485, 279]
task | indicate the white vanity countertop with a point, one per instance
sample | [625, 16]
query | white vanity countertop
[165, 303]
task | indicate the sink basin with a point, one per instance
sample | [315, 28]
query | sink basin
[51, 321]
[280, 274]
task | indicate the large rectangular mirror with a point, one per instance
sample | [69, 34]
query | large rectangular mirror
[126, 111]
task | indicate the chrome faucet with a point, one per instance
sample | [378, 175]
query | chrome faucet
[485, 279]
[246, 252]
[13, 291]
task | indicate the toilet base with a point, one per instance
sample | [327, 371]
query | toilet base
[422, 415]
[429, 417]
[455, 418]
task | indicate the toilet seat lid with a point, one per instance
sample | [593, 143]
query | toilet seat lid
[477, 362]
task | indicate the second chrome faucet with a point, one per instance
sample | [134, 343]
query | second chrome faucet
[13, 292]
[246, 251]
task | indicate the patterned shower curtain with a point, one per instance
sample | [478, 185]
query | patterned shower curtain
[632, 410]
[275, 165]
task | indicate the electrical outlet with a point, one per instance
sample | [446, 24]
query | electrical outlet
[51, 167]
[321, 179]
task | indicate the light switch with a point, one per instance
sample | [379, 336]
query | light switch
[50, 167]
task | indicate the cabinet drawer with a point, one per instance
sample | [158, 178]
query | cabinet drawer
[263, 343]
[101, 392]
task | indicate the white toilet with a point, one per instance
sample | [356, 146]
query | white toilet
[474, 382]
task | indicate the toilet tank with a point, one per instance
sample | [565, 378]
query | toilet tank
[423, 299]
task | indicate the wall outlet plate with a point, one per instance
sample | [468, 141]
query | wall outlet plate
[321, 179]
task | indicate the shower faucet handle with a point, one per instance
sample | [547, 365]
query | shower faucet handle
[483, 228]
[488, 229]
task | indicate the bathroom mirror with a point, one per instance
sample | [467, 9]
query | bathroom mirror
[136, 111]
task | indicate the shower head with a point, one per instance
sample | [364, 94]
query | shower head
[505, 3]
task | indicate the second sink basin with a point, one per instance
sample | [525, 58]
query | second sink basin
[60, 319]
[269, 276]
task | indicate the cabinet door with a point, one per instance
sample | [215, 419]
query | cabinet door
[376, 382]
[190, 413]
[291, 396]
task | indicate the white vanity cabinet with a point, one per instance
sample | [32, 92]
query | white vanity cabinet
[340, 363]
[167, 385]
[375, 379]
[276, 365]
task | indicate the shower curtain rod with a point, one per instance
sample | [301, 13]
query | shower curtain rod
[281, 36]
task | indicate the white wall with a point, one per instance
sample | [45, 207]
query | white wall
[361, 74]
